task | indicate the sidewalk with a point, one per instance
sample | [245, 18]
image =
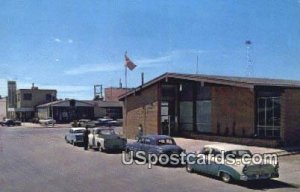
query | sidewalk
[195, 145]
[37, 125]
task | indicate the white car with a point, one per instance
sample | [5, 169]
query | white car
[75, 136]
[106, 139]
[48, 121]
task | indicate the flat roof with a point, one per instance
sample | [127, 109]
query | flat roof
[247, 82]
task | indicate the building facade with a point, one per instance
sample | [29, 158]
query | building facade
[242, 110]
[65, 111]
[27, 100]
[3, 104]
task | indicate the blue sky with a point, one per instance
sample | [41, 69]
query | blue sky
[71, 45]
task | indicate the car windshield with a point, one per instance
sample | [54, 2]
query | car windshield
[237, 154]
[106, 132]
[166, 142]
[78, 131]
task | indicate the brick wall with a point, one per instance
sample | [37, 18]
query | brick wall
[233, 110]
[112, 94]
[290, 117]
[142, 108]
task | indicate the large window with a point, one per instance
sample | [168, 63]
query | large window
[27, 96]
[204, 116]
[268, 116]
[186, 106]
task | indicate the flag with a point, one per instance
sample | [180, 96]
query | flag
[129, 63]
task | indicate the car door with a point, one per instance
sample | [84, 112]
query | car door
[203, 163]
[146, 145]
[213, 166]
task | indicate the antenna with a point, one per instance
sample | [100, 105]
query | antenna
[249, 68]
[197, 66]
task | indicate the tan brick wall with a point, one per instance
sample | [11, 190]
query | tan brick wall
[290, 117]
[142, 108]
[233, 107]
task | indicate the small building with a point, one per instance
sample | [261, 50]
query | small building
[255, 111]
[111, 109]
[2, 108]
[27, 100]
[65, 111]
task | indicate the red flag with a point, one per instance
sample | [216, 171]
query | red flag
[129, 63]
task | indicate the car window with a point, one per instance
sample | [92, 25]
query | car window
[147, 141]
[166, 142]
[206, 150]
[215, 152]
[141, 140]
[79, 131]
[107, 132]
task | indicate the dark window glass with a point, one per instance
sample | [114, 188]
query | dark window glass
[27, 96]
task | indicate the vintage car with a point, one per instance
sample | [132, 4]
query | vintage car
[75, 136]
[48, 121]
[10, 122]
[233, 169]
[105, 139]
[83, 122]
[154, 144]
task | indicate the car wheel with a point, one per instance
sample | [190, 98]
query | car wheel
[189, 168]
[100, 148]
[225, 177]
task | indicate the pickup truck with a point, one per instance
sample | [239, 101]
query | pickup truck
[105, 139]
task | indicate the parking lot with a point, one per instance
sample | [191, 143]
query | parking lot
[38, 159]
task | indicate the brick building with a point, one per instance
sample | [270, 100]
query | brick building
[113, 93]
[253, 111]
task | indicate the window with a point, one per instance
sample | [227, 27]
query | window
[203, 116]
[49, 97]
[268, 116]
[27, 96]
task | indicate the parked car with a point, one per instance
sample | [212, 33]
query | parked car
[113, 123]
[75, 136]
[235, 170]
[103, 121]
[154, 144]
[83, 122]
[48, 121]
[10, 122]
[105, 139]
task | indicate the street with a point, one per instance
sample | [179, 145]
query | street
[39, 159]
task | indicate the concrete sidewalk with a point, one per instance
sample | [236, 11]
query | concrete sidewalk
[37, 125]
[192, 145]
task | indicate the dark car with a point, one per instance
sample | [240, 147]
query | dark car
[10, 122]
[154, 144]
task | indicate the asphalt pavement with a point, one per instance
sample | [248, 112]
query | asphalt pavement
[39, 160]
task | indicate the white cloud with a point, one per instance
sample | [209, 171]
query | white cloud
[140, 62]
[57, 60]
[70, 41]
[57, 40]
[82, 69]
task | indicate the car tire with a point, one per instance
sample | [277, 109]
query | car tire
[189, 168]
[225, 177]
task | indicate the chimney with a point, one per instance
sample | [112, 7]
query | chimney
[142, 78]
[32, 86]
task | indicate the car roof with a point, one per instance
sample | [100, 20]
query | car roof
[102, 128]
[77, 128]
[226, 147]
[156, 137]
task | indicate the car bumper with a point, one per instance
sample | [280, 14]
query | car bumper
[258, 177]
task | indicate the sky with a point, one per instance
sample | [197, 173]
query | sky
[71, 45]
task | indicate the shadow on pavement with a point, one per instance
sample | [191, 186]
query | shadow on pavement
[266, 184]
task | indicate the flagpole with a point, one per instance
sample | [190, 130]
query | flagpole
[125, 104]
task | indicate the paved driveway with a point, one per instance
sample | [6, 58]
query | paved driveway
[33, 159]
